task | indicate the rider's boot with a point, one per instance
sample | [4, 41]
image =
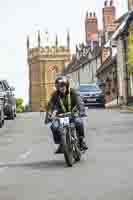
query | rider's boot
[59, 149]
[83, 145]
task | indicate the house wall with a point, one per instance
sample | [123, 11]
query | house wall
[94, 68]
[98, 62]
[88, 72]
[85, 74]
[73, 77]
[131, 85]
[121, 71]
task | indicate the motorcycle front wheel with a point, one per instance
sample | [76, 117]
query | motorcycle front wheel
[76, 153]
[67, 147]
[76, 149]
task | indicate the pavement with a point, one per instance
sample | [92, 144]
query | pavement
[29, 170]
[123, 109]
[128, 109]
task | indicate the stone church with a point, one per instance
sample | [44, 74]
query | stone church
[45, 62]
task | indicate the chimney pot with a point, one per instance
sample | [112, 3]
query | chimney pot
[87, 14]
[111, 3]
[105, 3]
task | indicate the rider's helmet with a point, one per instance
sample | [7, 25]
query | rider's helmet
[61, 81]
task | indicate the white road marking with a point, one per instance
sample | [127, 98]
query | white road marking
[1, 163]
[2, 168]
[25, 155]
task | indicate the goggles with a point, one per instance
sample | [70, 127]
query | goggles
[61, 85]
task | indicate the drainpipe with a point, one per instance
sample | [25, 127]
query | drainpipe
[126, 70]
[117, 88]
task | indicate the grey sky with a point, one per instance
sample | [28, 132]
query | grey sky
[19, 18]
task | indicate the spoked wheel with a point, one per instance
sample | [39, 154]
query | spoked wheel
[1, 123]
[76, 148]
[1, 118]
[68, 148]
[76, 152]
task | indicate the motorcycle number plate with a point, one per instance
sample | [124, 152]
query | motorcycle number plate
[64, 121]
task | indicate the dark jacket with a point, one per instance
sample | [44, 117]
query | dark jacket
[54, 103]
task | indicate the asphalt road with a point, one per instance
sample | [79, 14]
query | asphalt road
[29, 170]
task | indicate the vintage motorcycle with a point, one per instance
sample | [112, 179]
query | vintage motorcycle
[69, 139]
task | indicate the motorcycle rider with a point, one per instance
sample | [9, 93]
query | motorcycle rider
[64, 99]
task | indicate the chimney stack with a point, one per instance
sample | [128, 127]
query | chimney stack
[91, 27]
[109, 14]
[130, 5]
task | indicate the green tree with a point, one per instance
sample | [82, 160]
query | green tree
[19, 102]
[19, 106]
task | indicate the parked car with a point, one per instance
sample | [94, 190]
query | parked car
[91, 94]
[1, 108]
[9, 99]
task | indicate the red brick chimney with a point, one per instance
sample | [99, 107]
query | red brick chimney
[109, 14]
[91, 27]
[130, 4]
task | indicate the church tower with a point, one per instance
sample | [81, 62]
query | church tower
[45, 62]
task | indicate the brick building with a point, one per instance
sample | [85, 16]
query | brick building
[91, 28]
[109, 13]
[130, 4]
[92, 34]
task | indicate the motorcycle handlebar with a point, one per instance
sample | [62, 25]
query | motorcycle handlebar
[64, 114]
[72, 114]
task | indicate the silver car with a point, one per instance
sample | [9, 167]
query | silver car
[1, 108]
[91, 94]
[9, 99]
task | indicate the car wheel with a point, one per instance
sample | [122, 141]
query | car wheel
[103, 105]
[1, 123]
[2, 119]
[11, 116]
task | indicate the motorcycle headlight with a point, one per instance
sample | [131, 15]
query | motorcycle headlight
[72, 125]
[56, 124]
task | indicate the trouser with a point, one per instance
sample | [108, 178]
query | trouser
[79, 129]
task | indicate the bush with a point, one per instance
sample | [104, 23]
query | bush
[19, 110]
[19, 102]
[19, 105]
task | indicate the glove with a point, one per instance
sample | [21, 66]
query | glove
[82, 114]
[49, 124]
[76, 114]
[54, 114]
[47, 118]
